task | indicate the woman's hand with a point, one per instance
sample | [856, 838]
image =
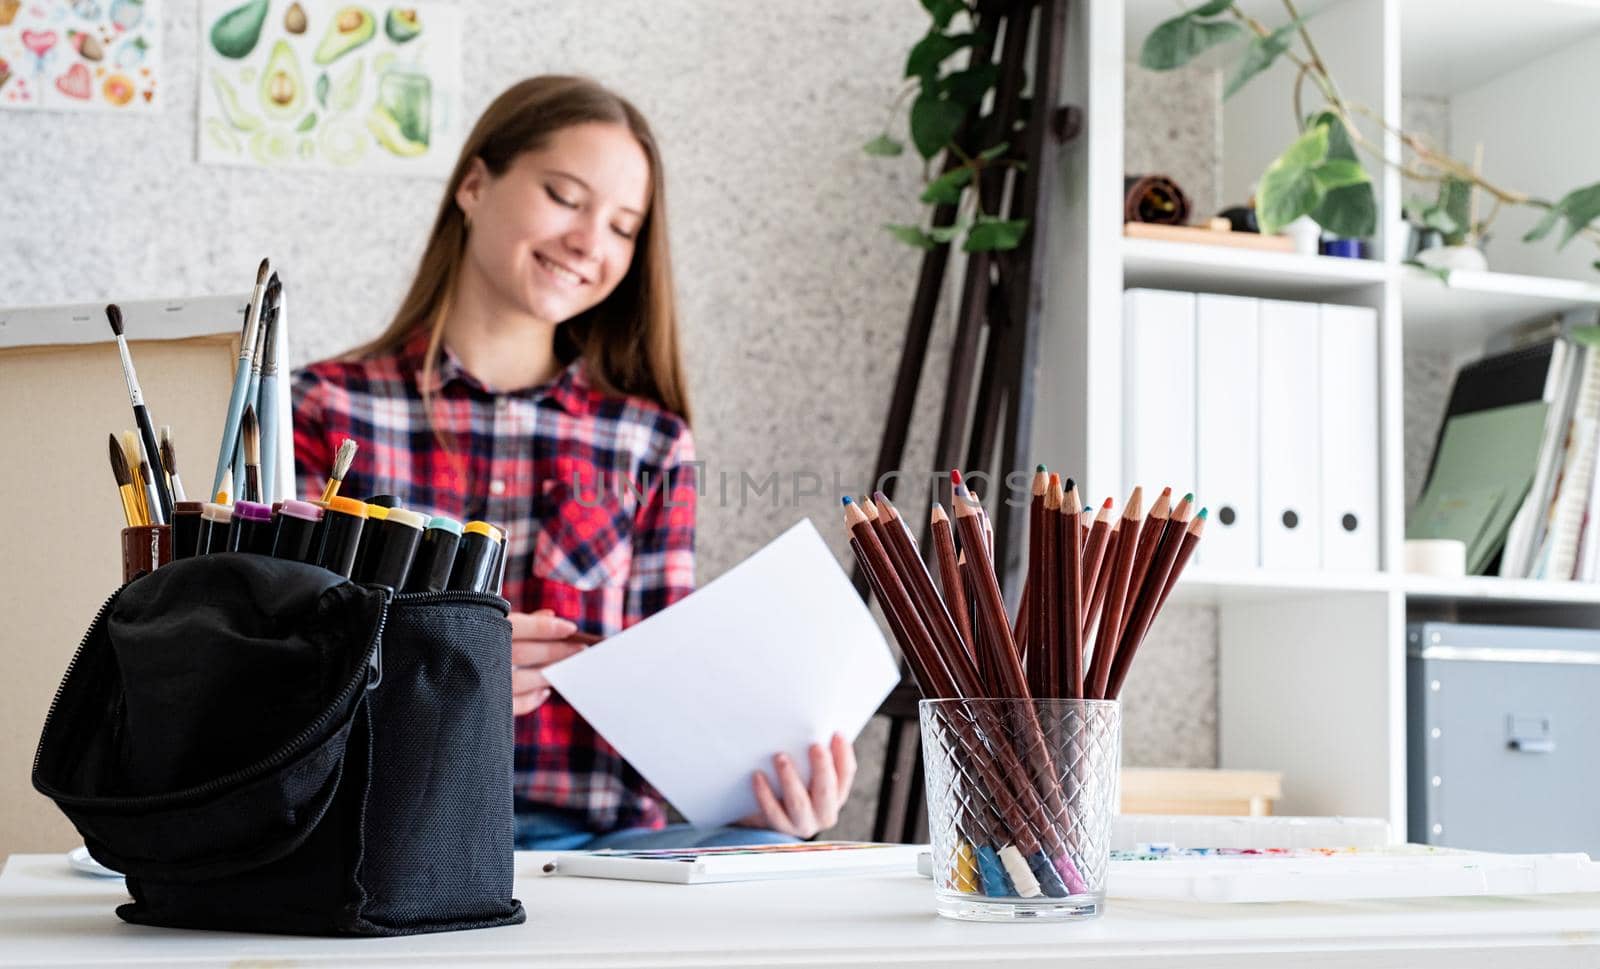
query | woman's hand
[803, 812]
[537, 640]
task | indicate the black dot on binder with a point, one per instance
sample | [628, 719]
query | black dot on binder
[1227, 515]
[1290, 519]
[1349, 522]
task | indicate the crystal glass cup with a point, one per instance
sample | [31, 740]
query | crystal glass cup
[1021, 798]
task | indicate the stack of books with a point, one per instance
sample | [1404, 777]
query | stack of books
[1513, 472]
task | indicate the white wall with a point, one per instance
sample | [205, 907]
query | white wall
[1538, 130]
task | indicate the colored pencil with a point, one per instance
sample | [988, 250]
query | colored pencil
[950, 578]
[1049, 602]
[1030, 629]
[1150, 532]
[1070, 632]
[1116, 592]
[1102, 544]
[1149, 596]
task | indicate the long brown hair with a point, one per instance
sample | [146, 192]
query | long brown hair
[629, 341]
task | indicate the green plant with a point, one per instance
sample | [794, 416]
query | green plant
[1450, 215]
[949, 74]
[1321, 174]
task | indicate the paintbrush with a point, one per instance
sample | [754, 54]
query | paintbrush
[241, 381]
[141, 419]
[149, 504]
[252, 395]
[341, 467]
[169, 461]
[267, 405]
[250, 445]
[124, 476]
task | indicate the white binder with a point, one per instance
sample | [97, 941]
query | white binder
[1158, 391]
[1349, 364]
[1228, 440]
[1290, 431]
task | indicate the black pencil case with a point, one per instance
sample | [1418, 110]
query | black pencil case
[261, 745]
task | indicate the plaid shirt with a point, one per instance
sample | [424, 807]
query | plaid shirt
[596, 492]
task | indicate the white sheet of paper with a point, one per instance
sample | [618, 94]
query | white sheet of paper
[774, 655]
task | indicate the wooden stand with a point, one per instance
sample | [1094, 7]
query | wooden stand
[997, 328]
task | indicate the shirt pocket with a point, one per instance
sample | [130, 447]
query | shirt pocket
[584, 540]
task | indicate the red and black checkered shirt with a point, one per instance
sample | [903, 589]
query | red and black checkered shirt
[597, 495]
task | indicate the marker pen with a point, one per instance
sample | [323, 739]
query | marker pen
[394, 545]
[252, 528]
[342, 527]
[186, 528]
[375, 513]
[214, 522]
[295, 531]
[474, 567]
[430, 570]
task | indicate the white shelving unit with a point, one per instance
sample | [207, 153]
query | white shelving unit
[1311, 664]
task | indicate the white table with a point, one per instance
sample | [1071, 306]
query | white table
[51, 916]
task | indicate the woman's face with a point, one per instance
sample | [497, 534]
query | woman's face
[554, 234]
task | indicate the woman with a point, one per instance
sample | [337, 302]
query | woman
[531, 378]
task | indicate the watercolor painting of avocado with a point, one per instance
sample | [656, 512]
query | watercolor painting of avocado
[320, 85]
[80, 55]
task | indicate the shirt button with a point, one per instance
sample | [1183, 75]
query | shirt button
[502, 404]
[497, 487]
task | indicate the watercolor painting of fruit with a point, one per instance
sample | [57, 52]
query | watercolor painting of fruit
[80, 55]
[331, 85]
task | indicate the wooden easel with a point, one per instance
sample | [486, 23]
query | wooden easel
[997, 330]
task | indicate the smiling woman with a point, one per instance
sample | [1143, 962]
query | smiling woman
[533, 361]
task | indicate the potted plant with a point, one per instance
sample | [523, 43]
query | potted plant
[1443, 233]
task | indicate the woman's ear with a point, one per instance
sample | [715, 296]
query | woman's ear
[471, 188]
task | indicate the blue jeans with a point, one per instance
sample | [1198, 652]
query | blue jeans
[554, 831]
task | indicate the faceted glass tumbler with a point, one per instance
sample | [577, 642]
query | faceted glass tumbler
[1021, 798]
